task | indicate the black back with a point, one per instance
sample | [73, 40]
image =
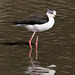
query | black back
[36, 19]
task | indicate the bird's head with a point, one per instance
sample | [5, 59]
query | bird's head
[51, 13]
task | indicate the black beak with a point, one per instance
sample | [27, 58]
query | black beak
[59, 18]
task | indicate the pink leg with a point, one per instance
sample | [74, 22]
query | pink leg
[30, 44]
[36, 44]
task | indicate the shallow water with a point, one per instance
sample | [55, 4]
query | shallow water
[56, 46]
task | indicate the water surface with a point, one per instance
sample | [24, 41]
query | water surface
[56, 46]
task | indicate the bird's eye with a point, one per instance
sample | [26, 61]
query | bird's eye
[51, 13]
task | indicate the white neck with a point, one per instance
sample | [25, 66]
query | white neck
[49, 16]
[51, 20]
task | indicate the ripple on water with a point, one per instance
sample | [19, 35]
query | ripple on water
[56, 46]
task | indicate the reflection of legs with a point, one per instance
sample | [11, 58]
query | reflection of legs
[30, 43]
[36, 44]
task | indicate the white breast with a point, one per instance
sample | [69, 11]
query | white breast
[41, 27]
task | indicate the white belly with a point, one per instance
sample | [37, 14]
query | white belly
[41, 27]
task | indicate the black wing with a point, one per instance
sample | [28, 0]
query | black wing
[36, 19]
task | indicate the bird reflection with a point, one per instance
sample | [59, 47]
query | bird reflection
[36, 69]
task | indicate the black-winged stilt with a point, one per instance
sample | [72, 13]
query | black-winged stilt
[37, 23]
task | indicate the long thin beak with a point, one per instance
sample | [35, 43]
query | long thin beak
[60, 18]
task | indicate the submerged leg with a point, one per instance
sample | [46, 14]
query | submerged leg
[30, 44]
[36, 44]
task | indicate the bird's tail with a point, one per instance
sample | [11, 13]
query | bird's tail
[18, 25]
[15, 23]
[12, 23]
